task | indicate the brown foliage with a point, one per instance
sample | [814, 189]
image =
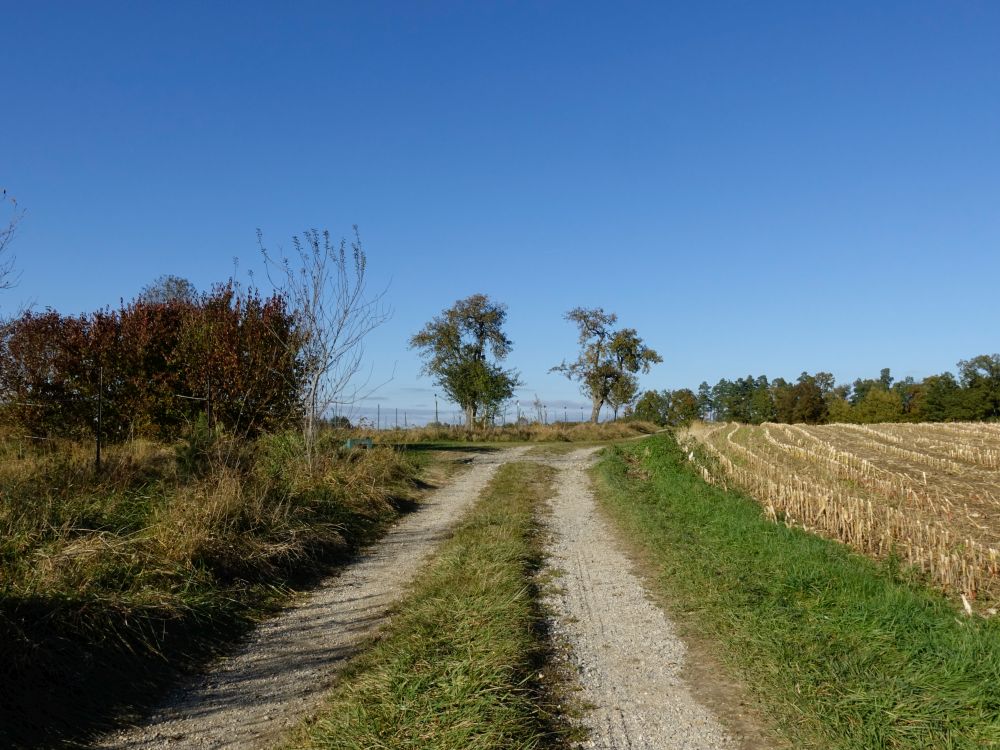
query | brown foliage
[230, 355]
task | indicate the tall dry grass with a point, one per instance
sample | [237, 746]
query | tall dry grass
[558, 432]
[109, 582]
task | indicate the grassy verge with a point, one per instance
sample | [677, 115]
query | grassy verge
[842, 651]
[110, 584]
[459, 666]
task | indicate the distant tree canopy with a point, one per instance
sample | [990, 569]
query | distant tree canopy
[456, 347]
[156, 366]
[667, 408]
[608, 361]
[168, 288]
[816, 399]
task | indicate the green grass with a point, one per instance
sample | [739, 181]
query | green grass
[841, 651]
[459, 666]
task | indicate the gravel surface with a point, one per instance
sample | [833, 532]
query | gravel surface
[627, 655]
[250, 700]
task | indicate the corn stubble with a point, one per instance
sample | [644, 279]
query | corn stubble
[926, 493]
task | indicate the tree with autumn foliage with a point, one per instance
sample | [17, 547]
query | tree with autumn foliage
[462, 350]
[229, 355]
[608, 360]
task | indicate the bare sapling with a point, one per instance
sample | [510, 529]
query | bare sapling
[325, 284]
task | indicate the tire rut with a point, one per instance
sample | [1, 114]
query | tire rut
[628, 656]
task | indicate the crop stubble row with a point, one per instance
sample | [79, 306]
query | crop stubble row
[925, 492]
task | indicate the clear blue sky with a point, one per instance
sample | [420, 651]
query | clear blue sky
[757, 187]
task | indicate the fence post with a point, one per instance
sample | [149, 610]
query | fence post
[100, 417]
[208, 399]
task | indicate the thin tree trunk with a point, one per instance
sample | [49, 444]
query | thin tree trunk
[310, 425]
[595, 413]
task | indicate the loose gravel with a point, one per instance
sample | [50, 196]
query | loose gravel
[627, 655]
[252, 699]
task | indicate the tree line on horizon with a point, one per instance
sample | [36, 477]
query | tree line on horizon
[971, 395]
[253, 363]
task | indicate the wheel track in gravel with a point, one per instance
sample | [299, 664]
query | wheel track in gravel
[627, 655]
[279, 676]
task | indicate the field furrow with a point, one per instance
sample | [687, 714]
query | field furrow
[928, 495]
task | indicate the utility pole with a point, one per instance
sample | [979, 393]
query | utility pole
[435, 408]
[378, 418]
[397, 417]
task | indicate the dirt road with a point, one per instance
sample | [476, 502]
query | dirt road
[627, 654]
[249, 701]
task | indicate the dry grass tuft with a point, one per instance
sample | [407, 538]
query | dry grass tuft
[567, 432]
[160, 556]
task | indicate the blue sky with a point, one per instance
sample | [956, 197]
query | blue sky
[757, 187]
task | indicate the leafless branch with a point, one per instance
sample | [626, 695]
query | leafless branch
[324, 283]
[8, 275]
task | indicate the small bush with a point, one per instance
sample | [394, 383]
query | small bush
[194, 451]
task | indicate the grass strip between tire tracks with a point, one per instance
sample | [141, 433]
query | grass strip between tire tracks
[843, 651]
[458, 666]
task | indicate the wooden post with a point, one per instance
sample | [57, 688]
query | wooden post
[100, 417]
[208, 400]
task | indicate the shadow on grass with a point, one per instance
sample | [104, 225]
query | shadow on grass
[73, 667]
[69, 666]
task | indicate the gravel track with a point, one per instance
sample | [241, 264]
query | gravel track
[627, 655]
[252, 699]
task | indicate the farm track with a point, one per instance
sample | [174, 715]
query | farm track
[627, 655]
[251, 700]
[628, 658]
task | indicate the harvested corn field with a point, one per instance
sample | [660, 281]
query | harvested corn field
[929, 493]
